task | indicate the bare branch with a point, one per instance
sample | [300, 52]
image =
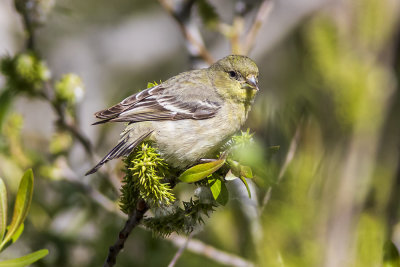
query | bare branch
[194, 246]
[190, 32]
[180, 251]
[262, 14]
[133, 220]
[210, 252]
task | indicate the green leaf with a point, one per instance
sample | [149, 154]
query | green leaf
[240, 170]
[22, 204]
[25, 260]
[246, 171]
[17, 233]
[219, 191]
[245, 184]
[14, 237]
[391, 257]
[201, 171]
[3, 209]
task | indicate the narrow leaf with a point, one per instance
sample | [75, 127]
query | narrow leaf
[201, 171]
[240, 170]
[219, 191]
[3, 209]
[17, 233]
[22, 204]
[15, 236]
[25, 260]
[245, 184]
[246, 171]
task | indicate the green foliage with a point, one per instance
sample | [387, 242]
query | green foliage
[10, 234]
[145, 172]
[24, 73]
[201, 171]
[69, 88]
[342, 69]
[146, 178]
[25, 260]
[179, 220]
[21, 208]
[218, 190]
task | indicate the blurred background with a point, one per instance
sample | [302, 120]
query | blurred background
[329, 73]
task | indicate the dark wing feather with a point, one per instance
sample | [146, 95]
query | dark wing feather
[123, 148]
[153, 105]
[127, 103]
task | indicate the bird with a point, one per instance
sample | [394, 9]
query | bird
[189, 116]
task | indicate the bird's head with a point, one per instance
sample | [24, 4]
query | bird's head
[239, 74]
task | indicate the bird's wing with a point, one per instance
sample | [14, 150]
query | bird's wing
[157, 103]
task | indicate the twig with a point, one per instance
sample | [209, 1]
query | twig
[191, 34]
[133, 220]
[64, 121]
[262, 14]
[20, 6]
[47, 88]
[178, 254]
[196, 246]
[289, 157]
[210, 252]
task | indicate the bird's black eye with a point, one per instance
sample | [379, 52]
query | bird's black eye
[232, 74]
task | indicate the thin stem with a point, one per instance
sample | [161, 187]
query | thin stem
[64, 121]
[179, 253]
[196, 246]
[210, 252]
[262, 14]
[133, 220]
[191, 34]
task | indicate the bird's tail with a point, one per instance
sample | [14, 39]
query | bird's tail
[123, 148]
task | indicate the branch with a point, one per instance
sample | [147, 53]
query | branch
[68, 124]
[28, 25]
[133, 220]
[190, 32]
[194, 246]
[180, 251]
[64, 121]
[289, 157]
[262, 14]
[210, 252]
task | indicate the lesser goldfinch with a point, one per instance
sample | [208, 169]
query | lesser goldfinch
[189, 115]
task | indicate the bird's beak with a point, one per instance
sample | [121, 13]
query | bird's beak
[252, 81]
